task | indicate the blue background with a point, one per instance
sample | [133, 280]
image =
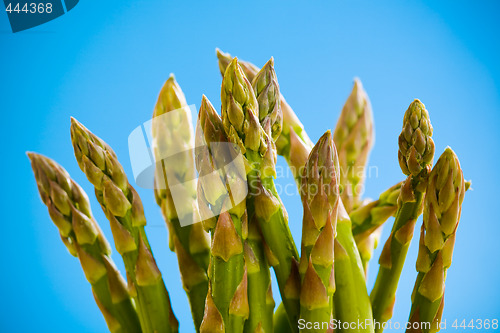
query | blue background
[104, 63]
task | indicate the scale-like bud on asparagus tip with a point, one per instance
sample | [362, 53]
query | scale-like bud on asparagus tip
[225, 58]
[240, 110]
[96, 159]
[266, 88]
[354, 137]
[320, 182]
[416, 147]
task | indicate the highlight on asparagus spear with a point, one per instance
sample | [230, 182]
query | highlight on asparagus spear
[368, 219]
[241, 124]
[320, 198]
[292, 130]
[69, 209]
[442, 209]
[123, 208]
[354, 137]
[416, 151]
[173, 145]
[226, 307]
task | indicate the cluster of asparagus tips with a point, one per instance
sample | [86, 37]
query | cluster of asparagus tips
[173, 149]
[293, 142]
[69, 209]
[442, 208]
[416, 151]
[123, 208]
[240, 116]
[320, 198]
[354, 137]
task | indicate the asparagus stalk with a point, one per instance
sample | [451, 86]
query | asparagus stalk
[293, 143]
[354, 137]
[266, 89]
[320, 198]
[226, 307]
[351, 297]
[368, 219]
[173, 145]
[123, 208]
[69, 209]
[260, 297]
[442, 209]
[416, 151]
[240, 117]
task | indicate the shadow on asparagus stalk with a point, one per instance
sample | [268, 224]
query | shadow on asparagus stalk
[230, 225]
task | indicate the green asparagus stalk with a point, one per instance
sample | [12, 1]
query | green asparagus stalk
[368, 219]
[320, 198]
[351, 298]
[354, 137]
[296, 152]
[442, 209]
[416, 151]
[226, 307]
[240, 117]
[123, 208]
[173, 145]
[69, 209]
[260, 296]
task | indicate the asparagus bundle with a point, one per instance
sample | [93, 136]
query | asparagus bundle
[442, 209]
[172, 147]
[320, 198]
[69, 209]
[416, 151]
[123, 208]
[228, 280]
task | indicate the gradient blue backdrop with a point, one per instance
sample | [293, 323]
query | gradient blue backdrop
[105, 61]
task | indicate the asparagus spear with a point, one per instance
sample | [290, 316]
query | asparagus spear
[69, 209]
[416, 151]
[266, 89]
[368, 219]
[320, 198]
[296, 152]
[241, 124]
[442, 209]
[173, 145]
[226, 307]
[354, 137]
[123, 208]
